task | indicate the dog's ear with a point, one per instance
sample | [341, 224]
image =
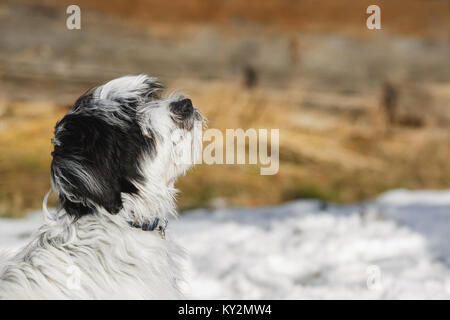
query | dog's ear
[85, 168]
[98, 145]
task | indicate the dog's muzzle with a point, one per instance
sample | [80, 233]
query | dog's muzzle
[184, 114]
[183, 109]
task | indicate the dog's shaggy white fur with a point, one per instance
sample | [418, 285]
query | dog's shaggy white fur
[117, 155]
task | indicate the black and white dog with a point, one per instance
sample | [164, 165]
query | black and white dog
[117, 154]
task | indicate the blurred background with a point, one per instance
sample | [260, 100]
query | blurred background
[359, 111]
[362, 113]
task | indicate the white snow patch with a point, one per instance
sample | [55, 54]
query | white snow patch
[396, 247]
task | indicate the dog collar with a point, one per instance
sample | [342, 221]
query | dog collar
[157, 224]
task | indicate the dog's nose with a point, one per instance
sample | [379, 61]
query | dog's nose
[182, 108]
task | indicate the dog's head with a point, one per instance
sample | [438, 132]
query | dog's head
[121, 141]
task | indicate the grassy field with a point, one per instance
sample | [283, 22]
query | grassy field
[348, 154]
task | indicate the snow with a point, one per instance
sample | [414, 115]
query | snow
[395, 247]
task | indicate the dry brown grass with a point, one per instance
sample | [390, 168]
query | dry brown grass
[331, 156]
[25, 133]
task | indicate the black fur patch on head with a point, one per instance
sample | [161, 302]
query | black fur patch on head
[95, 159]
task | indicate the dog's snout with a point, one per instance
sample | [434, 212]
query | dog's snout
[182, 108]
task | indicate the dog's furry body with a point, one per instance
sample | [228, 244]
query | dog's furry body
[112, 261]
[115, 162]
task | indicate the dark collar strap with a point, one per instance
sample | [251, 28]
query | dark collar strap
[151, 226]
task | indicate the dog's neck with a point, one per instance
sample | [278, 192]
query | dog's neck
[155, 197]
[152, 205]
